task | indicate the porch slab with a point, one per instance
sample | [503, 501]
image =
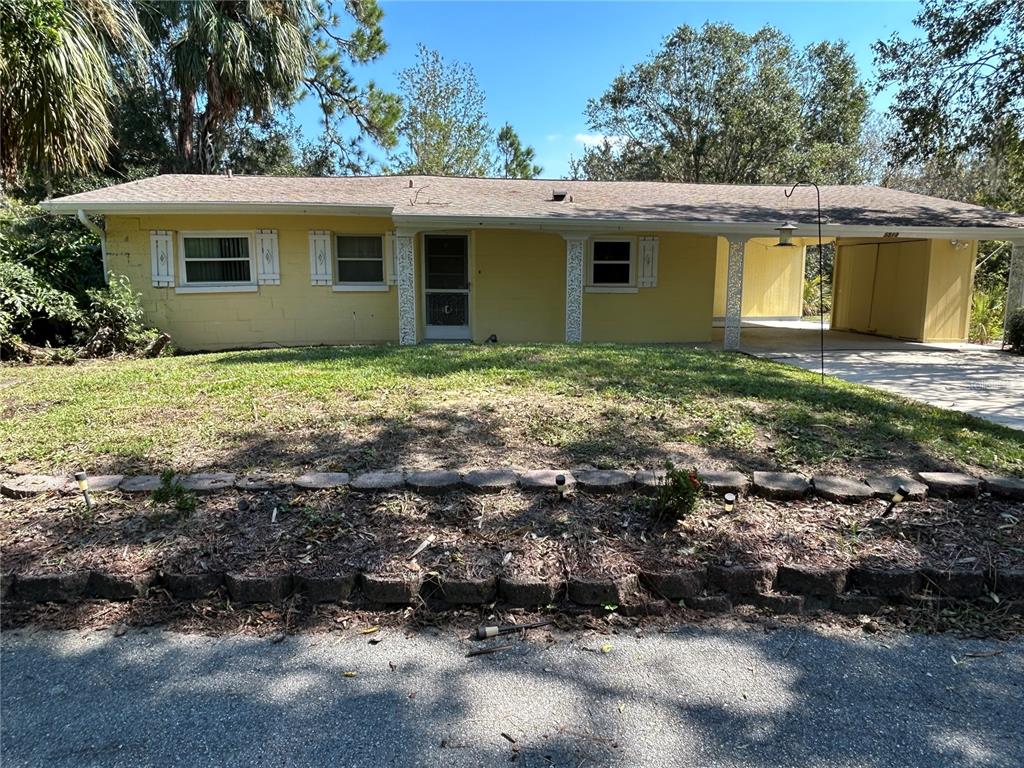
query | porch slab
[971, 378]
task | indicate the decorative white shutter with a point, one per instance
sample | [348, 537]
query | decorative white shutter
[268, 260]
[161, 249]
[648, 277]
[320, 270]
[390, 259]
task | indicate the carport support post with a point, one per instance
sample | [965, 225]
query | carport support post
[405, 270]
[734, 292]
[574, 250]
[1015, 282]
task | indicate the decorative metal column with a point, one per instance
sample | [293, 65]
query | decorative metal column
[574, 249]
[406, 269]
[734, 292]
[1015, 281]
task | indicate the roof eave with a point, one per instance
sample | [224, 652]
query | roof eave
[556, 224]
[582, 225]
[132, 208]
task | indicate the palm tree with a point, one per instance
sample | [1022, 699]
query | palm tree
[58, 80]
[228, 56]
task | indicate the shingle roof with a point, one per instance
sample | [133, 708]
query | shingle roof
[530, 199]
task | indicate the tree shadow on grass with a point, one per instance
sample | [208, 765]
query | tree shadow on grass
[802, 418]
[702, 696]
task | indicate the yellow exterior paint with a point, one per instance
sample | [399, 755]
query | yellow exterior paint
[950, 284]
[292, 313]
[517, 286]
[773, 278]
[910, 289]
[679, 307]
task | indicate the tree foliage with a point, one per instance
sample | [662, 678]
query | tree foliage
[719, 105]
[514, 160]
[960, 85]
[444, 123]
[233, 60]
[58, 82]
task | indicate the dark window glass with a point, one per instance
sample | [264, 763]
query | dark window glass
[360, 271]
[446, 272]
[217, 260]
[611, 250]
[350, 247]
[445, 245]
[611, 262]
[360, 259]
[610, 274]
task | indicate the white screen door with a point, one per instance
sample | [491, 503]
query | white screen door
[446, 286]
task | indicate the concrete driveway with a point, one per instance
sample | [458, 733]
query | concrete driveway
[715, 695]
[974, 379]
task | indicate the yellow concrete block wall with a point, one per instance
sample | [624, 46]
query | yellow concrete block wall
[517, 286]
[950, 287]
[678, 309]
[910, 289]
[292, 313]
[773, 278]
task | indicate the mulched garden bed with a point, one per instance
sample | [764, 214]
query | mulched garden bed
[511, 534]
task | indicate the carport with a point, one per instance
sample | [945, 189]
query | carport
[904, 264]
[918, 290]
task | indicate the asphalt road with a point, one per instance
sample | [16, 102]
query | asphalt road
[702, 696]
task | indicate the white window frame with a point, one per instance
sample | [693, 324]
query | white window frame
[628, 287]
[218, 287]
[350, 287]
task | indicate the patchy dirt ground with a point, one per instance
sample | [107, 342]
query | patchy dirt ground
[512, 533]
[219, 617]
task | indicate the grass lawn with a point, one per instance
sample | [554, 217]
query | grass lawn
[458, 406]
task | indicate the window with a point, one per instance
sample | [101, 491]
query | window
[360, 259]
[612, 262]
[216, 259]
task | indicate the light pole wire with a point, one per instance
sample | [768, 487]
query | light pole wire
[821, 272]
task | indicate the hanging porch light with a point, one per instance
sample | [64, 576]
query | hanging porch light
[786, 234]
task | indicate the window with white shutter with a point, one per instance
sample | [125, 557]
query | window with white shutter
[161, 248]
[268, 259]
[321, 270]
[648, 277]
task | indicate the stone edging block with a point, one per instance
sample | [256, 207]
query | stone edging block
[490, 480]
[841, 489]
[950, 485]
[782, 486]
[792, 588]
[23, 486]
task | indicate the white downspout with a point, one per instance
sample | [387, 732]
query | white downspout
[97, 230]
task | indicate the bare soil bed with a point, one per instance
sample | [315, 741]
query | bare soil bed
[512, 534]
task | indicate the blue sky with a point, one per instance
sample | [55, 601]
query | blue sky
[539, 62]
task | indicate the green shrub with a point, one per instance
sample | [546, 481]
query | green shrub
[172, 492]
[986, 313]
[814, 302]
[677, 493]
[116, 308]
[32, 310]
[1015, 331]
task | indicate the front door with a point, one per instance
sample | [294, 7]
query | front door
[446, 286]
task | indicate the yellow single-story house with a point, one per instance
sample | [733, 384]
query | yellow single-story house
[231, 261]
